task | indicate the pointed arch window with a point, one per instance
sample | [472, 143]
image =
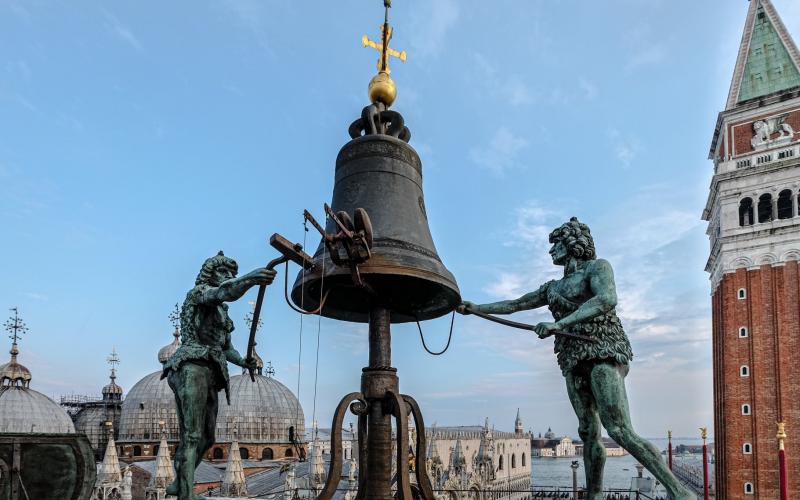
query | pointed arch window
[244, 453]
[747, 449]
[523, 460]
[748, 489]
[745, 409]
[746, 212]
[743, 333]
[513, 461]
[744, 371]
[500, 463]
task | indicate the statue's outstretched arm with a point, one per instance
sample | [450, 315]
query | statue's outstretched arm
[528, 301]
[233, 289]
[601, 282]
[232, 355]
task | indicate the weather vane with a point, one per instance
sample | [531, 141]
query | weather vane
[381, 88]
[175, 317]
[113, 360]
[248, 318]
[15, 326]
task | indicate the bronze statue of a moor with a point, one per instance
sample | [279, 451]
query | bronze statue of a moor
[198, 370]
[583, 302]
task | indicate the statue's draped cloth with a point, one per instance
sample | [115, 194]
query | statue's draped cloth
[205, 335]
[606, 328]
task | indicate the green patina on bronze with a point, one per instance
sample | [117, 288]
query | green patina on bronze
[198, 370]
[584, 302]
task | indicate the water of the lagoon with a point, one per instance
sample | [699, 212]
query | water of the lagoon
[556, 472]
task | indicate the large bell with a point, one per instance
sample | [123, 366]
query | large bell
[383, 175]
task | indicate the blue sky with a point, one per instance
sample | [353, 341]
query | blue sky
[138, 138]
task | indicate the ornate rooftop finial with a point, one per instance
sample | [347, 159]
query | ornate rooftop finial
[166, 352]
[13, 373]
[112, 390]
[175, 319]
[270, 371]
[381, 88]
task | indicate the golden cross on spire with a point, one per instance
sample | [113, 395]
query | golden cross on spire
[382, 89]
[384, 49]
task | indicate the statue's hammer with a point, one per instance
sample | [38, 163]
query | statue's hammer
[289, 252]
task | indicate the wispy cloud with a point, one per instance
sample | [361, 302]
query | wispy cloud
[625, 147]
[430, 24]
[646, 55]
[501, 154]
[121, 31]
[253, 15]
[510, 89]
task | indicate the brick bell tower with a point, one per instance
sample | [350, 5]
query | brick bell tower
[754, 231]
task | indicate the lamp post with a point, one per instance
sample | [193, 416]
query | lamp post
[784, 480]
[669, 449]
[574, 466]
[704, 435]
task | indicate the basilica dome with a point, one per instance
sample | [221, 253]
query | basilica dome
[263, 411]
[148, 403]
[24, 410]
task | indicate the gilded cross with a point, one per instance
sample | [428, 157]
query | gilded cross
[384, 49]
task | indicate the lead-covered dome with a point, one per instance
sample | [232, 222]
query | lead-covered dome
[168, 350]
[24, 410]
[27, 411]
[263, 412]
[149, 402]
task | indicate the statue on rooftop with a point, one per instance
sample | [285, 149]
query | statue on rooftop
[198, 370]
[593, 353]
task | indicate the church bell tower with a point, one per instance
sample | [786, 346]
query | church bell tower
[754, 232]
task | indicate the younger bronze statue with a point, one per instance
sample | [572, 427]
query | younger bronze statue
[199, 368]
[583, 302]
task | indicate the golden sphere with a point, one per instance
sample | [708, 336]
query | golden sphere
[382, 89]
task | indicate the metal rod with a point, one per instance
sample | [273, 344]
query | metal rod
[525, 326]
[376, 382]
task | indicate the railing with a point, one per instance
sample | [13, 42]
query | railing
[761, 158]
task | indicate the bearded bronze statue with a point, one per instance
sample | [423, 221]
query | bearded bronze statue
[198, 370]
[583, 304]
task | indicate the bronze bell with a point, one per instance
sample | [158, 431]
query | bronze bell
[380, 173]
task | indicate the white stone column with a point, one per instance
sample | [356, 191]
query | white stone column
[794, 204]
[774, 206]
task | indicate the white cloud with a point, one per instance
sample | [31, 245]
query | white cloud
[501, 153]
[646, 55]
[122, 32]
[589, 89]
[430, 24]
[510, 89]
[626, 148]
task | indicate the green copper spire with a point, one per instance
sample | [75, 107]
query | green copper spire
[768, 61]
[769, 67]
